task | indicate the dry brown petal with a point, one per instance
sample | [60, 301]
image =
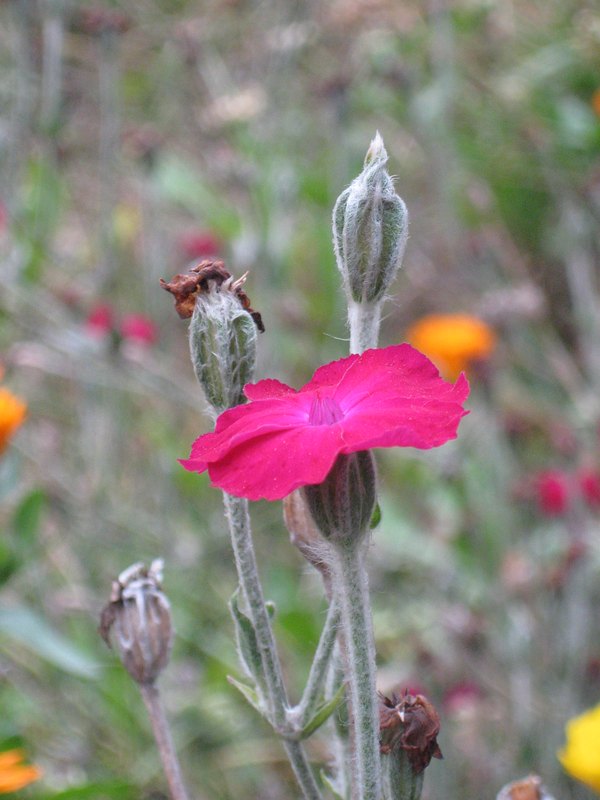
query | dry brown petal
[409, 723]
[185, 288]
[529, 788]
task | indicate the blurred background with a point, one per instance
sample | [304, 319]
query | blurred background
[138, 138]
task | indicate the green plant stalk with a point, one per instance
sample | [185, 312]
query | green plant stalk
[238, 518]
[319, 668]
[352, 592]
[364, 320]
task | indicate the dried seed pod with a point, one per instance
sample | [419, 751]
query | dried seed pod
[137, 620]
[529, 788]
[412, 724]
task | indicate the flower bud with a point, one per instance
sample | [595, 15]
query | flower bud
[305, 535]
[409, 727]
[139, 618]
[370, 229]
[342, 505]
[222, 331]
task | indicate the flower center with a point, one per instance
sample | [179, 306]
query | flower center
[324, 411]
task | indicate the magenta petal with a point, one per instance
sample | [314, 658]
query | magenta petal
[244, 423]
[402, 424]
[399, 369]
[284, 439]
[267, 389]
[272, 466]
[331, 374]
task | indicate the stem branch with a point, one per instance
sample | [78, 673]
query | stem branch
[320, 666]
[238, 518]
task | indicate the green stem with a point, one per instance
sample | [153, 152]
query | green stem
[364, 320]
[320, 666]
[352, 591]
[236, 512]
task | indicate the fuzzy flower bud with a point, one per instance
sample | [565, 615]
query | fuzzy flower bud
[370, 229]
[342, 505]
[139, 618]
[409, 727]
[222, 331]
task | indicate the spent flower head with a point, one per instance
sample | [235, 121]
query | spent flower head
[222, 330]
[409, 726]
[138, 618]
[284, 439]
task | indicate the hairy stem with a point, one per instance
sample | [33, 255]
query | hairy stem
[364, 320]
[320, 666]
[236, 512]
[352, 591]
[164, 741]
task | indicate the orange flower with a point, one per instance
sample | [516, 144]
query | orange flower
[596, 102]
[12, 414]
[14, 775]
[452, 341]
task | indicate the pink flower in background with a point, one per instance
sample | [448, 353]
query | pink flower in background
[138, 328]
[462, 697]
[100, 321]
[199, 244]
[283, 438]
[589, 486]
[553, 492]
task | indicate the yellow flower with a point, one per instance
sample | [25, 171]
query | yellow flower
[14, 775]
[580, 756]
[452, 341]
[12, 414]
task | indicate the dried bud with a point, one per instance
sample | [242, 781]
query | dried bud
[139, 618]
[222, 330]
[342, 506]
[370, 229]
[408, 727]
[526, 789]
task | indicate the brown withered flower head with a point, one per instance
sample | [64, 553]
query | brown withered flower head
[529, 788]
[185, 288]
[137, 620]
[409, 723]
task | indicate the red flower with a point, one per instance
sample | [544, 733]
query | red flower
[199, 244]
[553, 492]
[137, 328]
[283, 438]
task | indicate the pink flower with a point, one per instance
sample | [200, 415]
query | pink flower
[553, 492]
[283, 438]
[100, 321]
[589, 485]
[199, 244]
[138, 328]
